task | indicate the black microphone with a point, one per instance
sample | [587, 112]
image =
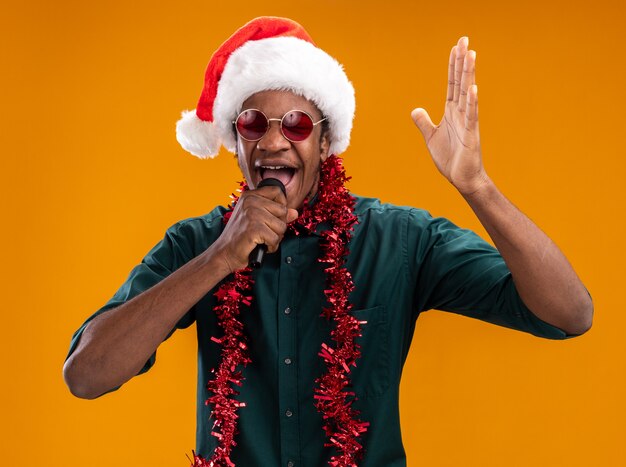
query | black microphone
[255, 260]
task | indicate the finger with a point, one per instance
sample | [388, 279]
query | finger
[292, 215]
[261, 223]
[270, 238]
[275, 234]
[255, 205]
[467, 78]
[461, 49]
[272, 192]
[277, 210]
[451, 61]
[471, 111]
[424, 123]
[276, 223]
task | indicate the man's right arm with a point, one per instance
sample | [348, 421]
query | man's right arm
[115, 345]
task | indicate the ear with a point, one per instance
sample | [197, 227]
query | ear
[324, 146]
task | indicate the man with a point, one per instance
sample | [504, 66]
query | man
[286, 386]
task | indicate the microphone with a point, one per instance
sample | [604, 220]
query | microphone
[255, 260]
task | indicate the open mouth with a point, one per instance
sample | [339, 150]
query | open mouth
[282, 173]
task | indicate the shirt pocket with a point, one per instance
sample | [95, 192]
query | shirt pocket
[370, 377]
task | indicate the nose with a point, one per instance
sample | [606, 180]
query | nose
[274, 140]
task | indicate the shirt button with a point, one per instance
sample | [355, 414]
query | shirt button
[288, 260]
[288, 361]
[287, 310]
[291, 464]
[289, 413]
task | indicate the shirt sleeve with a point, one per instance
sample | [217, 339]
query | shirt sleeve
[457, 271]
[169, 254]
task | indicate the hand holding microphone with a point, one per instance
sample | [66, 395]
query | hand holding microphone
[256, 226]
[256, 256]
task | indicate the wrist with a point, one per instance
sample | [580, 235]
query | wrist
[476, 188]
[484, 196]
[217, 259]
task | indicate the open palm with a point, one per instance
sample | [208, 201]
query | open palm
[454, 144]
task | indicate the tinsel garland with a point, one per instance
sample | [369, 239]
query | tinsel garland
[333, 399]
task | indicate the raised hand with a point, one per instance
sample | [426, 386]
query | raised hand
[454, 144]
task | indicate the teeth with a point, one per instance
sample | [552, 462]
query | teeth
[274, 167]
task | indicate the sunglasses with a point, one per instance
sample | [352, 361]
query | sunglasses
[295, 125]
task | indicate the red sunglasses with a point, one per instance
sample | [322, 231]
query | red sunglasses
[295, 125]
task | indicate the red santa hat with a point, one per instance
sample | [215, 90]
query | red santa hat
[268, 53]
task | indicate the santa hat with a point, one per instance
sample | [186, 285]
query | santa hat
[268, 53]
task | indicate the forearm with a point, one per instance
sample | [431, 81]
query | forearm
[117, 343]
[543, 276]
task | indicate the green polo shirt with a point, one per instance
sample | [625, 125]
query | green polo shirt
[403, 262]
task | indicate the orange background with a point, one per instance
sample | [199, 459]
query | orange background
[92, 176]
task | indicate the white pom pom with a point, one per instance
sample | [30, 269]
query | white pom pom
[196, 136]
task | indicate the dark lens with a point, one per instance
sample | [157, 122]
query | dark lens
[251, 125]
[297, 125]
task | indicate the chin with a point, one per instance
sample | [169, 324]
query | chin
[296, 203]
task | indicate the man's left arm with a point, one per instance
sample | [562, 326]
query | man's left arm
[545, 280]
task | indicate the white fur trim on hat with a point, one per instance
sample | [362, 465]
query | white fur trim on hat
[198, 137]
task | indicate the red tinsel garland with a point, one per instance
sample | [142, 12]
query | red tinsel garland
[332, 397]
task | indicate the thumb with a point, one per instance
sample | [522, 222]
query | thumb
[292, 215]
[423, 122]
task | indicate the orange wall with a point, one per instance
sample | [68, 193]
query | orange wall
[92, 175]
